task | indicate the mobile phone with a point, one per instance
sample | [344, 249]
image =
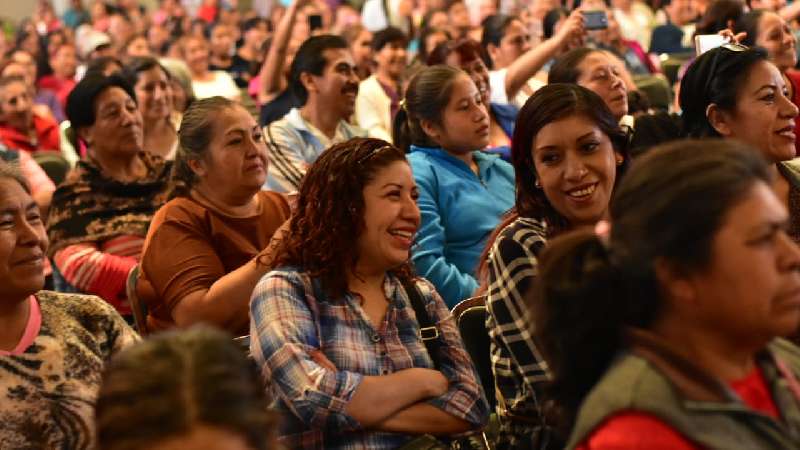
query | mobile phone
[314, 22]
[595, 20]
[706, 42]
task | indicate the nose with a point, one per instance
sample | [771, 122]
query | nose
[29, 234]
[411, 211]
[575, 169]
[788, 109]
[789, 259]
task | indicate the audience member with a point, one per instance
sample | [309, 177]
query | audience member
[64, 63]
[379, 95]
[136, 47]
[695, 281]
[206, 83]
[514, 62]
[21, 128]
[337, 319]
[735, 92]
[568, 156]
[769, 31]
[248, 59]
[597, 71]
[323, 79]
[465, 54]
[635, 18]
[462, 191]
[52, 345]
[26, 67]
[675, 36]
[202, 246]
[220, 47]
[101, 212]
[360, 41]
[151, 83]
[187, 390]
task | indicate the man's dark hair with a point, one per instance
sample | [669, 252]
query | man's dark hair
[310, 58]
[388, 36]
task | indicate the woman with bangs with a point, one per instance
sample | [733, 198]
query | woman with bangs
[568, 155]
[335, 325]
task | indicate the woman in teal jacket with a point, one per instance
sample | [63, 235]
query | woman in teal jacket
[463, 192]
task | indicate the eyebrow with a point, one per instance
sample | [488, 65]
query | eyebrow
[773, 87]
[392, 184]
[235, 130]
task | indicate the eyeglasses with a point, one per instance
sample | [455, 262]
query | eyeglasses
[712, 74]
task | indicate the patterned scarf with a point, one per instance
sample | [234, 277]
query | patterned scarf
[91, 207]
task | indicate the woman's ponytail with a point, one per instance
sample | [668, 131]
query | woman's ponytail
[401, 134]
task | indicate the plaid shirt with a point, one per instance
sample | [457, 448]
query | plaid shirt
[290, 316]
[516, 362]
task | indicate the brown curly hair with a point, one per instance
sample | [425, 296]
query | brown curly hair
[329, 218]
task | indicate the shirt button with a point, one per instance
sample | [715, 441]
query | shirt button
[376, 338]
[383, 353]
[386, 372]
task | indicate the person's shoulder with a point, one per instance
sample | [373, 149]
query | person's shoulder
[275, 201]
[182, 209]
[78, 306]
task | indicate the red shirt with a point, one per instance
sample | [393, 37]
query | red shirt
[60, 86]
[47, 136]
[636, 430]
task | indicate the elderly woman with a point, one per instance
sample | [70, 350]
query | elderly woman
[52, 346]
[20, 127]
[199, 262]
[151, 82]
[336, 326]
[100, 214]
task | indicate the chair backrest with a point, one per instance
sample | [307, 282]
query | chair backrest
[54, 165]
[470, 316]
[139, 307]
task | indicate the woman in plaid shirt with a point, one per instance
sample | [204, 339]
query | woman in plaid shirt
[567, 157]
[333, 328]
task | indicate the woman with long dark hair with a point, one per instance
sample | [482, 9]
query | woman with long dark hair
[568, 154]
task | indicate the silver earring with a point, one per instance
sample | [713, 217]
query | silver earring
[537, 184]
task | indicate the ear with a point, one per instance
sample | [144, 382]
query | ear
[720, 120]
[431, 129]
[492, 50]
[308, 82]
[618, 158]
[85, 134]
[676, 286]
[197, 166]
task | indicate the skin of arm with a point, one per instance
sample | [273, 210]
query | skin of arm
[530, 62]
[271, 73]
[423, 418]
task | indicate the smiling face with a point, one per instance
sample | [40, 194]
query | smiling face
[599, 73]
[197, 55]
[751, 287]
[15, 105]
[152, 91]
[337, 86]
[763, 116]
[476, 70]
[23, 242]
[391, 219]
[576, 166]
[777, 38]
[236, 161]
[465, 122]
[392, 59]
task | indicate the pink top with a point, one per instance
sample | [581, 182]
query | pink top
[31, 330]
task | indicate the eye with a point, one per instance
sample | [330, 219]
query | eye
[235, 141]
[415, 195]
[589, 147]
[550, 158]
[769, 98]
[34, 217]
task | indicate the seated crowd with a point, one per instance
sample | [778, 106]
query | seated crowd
[400, 225]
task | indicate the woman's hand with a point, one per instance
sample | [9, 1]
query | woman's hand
[735, 38]
[572, 31]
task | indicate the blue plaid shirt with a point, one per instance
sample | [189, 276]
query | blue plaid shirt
[290, 316]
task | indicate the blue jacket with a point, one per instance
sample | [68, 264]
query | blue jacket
[459, 211]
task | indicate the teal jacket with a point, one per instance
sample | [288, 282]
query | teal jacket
[459, 212]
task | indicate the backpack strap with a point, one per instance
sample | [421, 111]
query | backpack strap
[428, 331]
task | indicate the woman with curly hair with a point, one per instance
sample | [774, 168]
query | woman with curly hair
[335, 325]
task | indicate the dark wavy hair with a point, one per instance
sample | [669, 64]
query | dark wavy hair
[715, 77]
[669, 207]
[550, 103]
[170, 383]
[329, 218]
[565, 67]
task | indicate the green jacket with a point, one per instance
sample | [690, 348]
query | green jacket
[651, 378]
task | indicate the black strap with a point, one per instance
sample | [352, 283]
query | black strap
[428, 331]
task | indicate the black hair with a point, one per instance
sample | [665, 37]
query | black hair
[551, 19]
[700, 87]
[748, 23]
[426, 98]
[309, 58]
[565, 68]
[387, 36]
[668, 208]
[251, 23]
[164, 386]
[80, 102]
[494, 29]
[424, 51]
[97, 66]
[718, 15]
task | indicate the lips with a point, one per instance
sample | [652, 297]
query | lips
[403, 236]
[582, 193]
[30, 260]
[787, 132]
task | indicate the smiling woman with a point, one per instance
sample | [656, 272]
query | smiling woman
[335, 321]
[64, 339]
[199, 261]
